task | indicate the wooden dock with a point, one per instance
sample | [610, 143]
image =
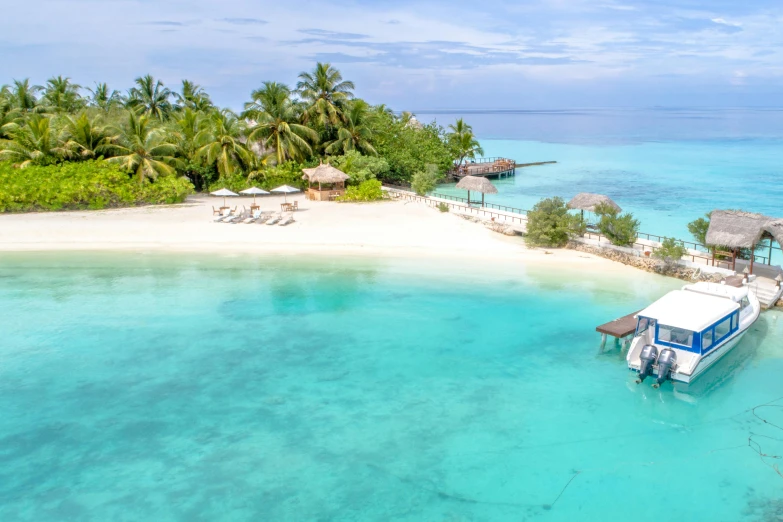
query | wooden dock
[486, 168]
[620, 328]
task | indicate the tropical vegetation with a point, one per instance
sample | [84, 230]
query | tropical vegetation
[153, 133]
[549, 224]
[670, 251]
[620, 229]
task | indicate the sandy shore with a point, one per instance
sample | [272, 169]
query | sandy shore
[390, 228]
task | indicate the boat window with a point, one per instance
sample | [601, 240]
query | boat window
[722, 329]
[706, 340]
[734, 319]
[643, 325]
[670, 334]
[744, 303]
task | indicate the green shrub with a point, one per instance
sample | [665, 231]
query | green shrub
[443, 207]
[360, 168]
[549, 224]
[698, 229]
[409, 148]
[620, 229]
[426, 180]
[92, 185]
[288, 173]
[369, 190]
[670, 251]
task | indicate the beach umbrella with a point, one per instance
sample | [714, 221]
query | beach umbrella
[224, 193]
[254, 191]
[285, 190]
[477, 184]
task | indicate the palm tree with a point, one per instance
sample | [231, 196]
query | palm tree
[463, 142]
[193, 97]
[34, 142]
[221, 143]
[61, 95]
[151, 97]
[325, 92]
[23, 95]
[86, 138]
[355, 133]
[185, 131]
[276, 122]
[143, 150]
[9, 115]
[103, 98]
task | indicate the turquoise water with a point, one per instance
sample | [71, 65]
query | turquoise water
[170, 388]
[667, 167]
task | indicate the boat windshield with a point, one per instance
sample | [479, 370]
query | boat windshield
[672, 335]
[644, 324]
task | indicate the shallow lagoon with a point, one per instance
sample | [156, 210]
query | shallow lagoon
[193, 388]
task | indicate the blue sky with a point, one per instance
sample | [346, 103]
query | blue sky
[417, 55]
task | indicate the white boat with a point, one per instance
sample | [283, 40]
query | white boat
[682, 334]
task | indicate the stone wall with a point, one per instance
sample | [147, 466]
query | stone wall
[647, 264]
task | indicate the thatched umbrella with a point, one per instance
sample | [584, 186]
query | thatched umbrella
[736, 229]
[477, 184]
[588, 201]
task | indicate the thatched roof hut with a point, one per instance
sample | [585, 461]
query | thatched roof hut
[588, 201]
[477, 184]
[737, 229]
[324, 173]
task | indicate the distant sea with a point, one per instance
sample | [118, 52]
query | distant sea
[667, 166]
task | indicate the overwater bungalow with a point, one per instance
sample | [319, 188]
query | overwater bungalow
[324, 182]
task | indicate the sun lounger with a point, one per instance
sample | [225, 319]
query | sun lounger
[273, 220]
[287, 220]
[226, 214]
[235, 218]
[263, 217]
[255, 216]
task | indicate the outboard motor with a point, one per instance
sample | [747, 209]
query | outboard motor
[665, 363]
[647, 359]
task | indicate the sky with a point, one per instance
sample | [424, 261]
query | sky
[416, 55]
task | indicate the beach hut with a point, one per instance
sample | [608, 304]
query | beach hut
[324, 182]
[735, 229]
[477, 184]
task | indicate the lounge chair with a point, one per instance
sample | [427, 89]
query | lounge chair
[263, 217]
[226, 214]
[273, 220]
[287, 220]
[255, 216]
[235, 218]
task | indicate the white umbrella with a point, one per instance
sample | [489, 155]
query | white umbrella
[253, 191]
[285, 190]
[224, 193]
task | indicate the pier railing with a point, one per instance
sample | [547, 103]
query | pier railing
[690, 245]
[412, 196]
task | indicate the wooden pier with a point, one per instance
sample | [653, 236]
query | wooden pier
[486, 168]
[620, 328]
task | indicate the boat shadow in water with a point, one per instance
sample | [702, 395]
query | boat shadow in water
[726, 369]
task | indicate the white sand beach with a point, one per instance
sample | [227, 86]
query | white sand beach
[389, 228]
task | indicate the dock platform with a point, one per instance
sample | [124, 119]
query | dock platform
[620, 328]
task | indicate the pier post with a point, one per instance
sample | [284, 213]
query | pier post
[603, 341]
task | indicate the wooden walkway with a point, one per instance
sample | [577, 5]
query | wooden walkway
[619, 328]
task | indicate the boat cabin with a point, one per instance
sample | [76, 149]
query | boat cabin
[691, 320]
